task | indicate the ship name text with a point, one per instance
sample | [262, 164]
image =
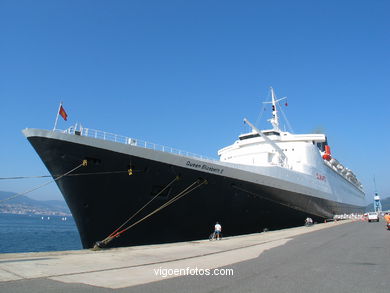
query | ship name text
[204, 167]
[321, 177]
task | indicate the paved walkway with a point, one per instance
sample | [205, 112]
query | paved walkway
[131, 266]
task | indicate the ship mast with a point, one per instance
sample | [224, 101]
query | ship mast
[275, 118]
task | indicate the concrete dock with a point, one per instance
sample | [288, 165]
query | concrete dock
[333, 257]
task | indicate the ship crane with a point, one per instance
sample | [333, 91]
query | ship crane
[282, 156]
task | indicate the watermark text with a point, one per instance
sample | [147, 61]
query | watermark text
[171, 272]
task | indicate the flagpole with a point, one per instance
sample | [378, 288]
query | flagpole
[58, 113]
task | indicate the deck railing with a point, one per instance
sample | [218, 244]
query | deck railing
[99, 134]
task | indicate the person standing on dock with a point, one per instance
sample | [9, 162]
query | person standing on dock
[308, 221]
[217, 230]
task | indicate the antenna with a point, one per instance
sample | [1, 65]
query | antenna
[275, 119]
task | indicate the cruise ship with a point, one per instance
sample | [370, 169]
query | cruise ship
[123, 191]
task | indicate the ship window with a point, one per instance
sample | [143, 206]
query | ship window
[94, 161]
[249, 136]
[268, 133]
[321, 146]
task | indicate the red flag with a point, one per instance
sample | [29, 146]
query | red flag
[63, 113]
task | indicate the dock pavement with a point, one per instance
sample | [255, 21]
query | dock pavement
[210, 266]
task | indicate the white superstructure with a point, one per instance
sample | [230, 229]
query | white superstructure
[308, 154]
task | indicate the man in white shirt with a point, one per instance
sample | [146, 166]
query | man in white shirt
[217, 230]
[308, 221]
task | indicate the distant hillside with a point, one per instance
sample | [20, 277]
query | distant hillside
[25, 205]
[385, 205]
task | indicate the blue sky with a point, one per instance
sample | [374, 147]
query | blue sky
[185, 74]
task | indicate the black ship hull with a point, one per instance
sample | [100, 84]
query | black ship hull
[115, 185]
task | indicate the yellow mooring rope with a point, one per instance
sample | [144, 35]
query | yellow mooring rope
[187, 190]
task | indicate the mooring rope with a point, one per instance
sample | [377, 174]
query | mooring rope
[145, 205]
[24, 177]
[184, 192]
[84, 163]
[76, 174]
[177, 197]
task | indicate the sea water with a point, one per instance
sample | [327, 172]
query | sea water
[33, 233]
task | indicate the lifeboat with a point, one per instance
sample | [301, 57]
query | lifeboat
[327, 155]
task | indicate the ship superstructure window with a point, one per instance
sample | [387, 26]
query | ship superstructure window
[252, 135]
[321, 146]
[249, 136]
[268, 133]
